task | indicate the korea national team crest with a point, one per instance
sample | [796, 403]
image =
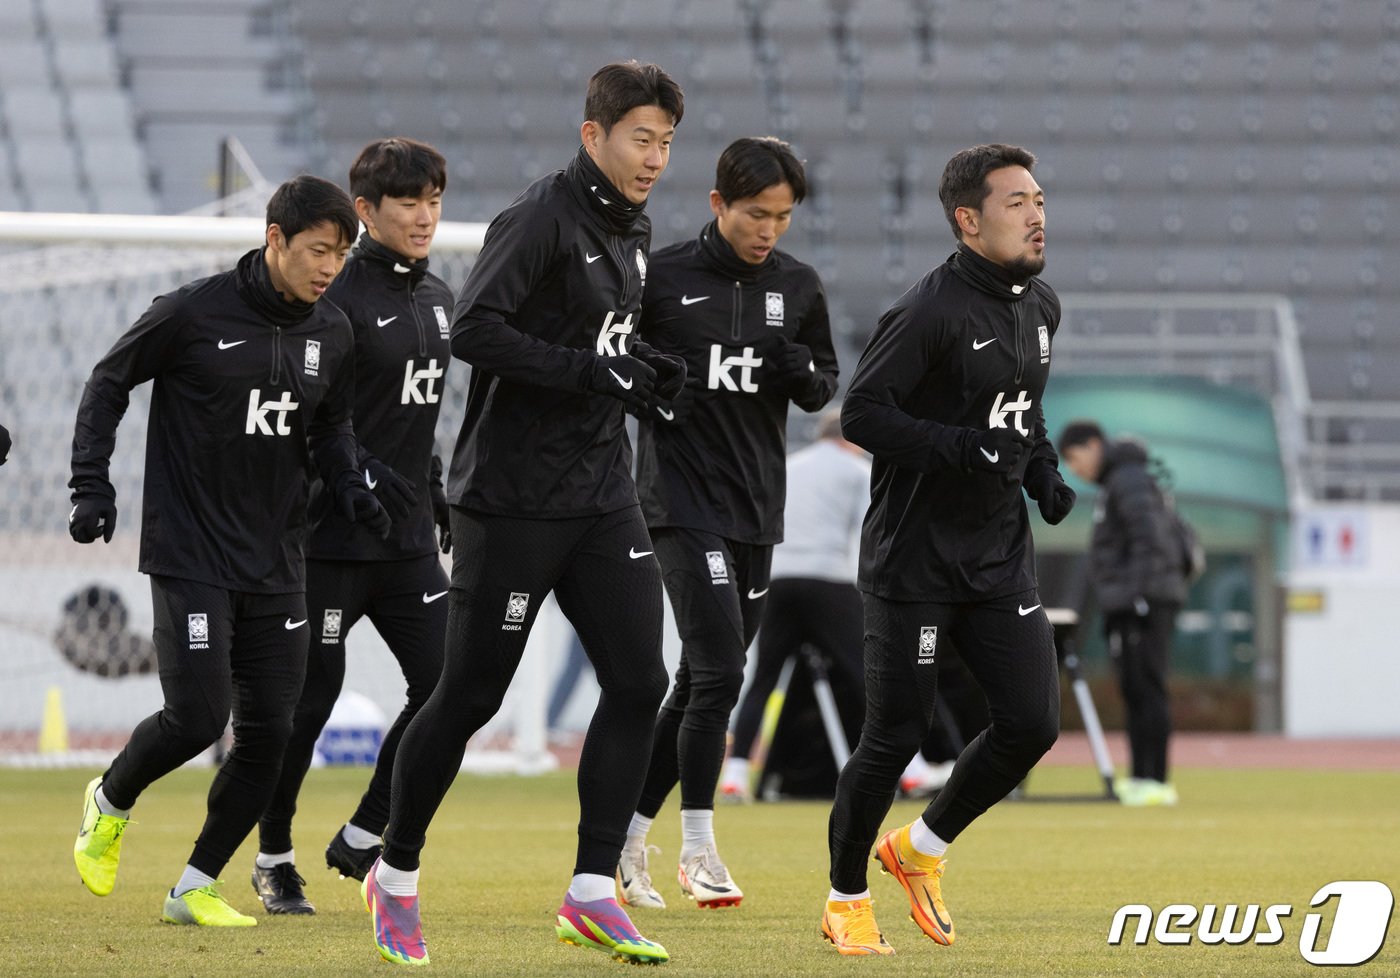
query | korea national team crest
[444, 327]
[515, 611]
[198, 625]
[642, 266]
[330, 624]
[928, 641]
[313, 357]
[773, 309]
[719, 570]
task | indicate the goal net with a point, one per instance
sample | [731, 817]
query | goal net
[77, 668]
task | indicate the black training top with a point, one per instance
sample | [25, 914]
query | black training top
[722, 468]
[557, 284]
[964, 350]
[248, 387]
[400, 314]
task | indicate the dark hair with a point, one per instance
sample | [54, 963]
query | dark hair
[617, 89]
[1079, 432]
[964, 182]
[750, 165]
[305, 201]
[396, 167]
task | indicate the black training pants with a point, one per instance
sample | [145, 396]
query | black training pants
[1008, 646]
[717, 589]
[607, 582]
[406, 600]
[1141, 650]
[220, 652]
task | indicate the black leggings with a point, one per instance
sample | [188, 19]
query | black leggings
[220, 652]
[608, 584]
[718, 589]
[1141, 649]
[406, 600]
[1012, 657]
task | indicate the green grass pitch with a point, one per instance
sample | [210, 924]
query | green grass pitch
[1032, 887]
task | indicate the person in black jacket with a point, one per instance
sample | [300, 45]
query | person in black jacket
[751, 323]
[399, 314]
[253, 380]
[1137, 568]
[947, 398]
[543, 501]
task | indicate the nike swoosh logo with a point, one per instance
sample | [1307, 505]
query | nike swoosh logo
[372, 483]
[226, 345]
[989, 456]
[1026, 611]
[634, 553]
[688, 301]
[978, 346]
[755, 595]
[289, 625]
[381, 323]
[590, 258]
[430, 598]
[668, 415]
[71, 512]
[624, 384]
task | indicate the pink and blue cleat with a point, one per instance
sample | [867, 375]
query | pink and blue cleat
[398, 931]
[604, 925]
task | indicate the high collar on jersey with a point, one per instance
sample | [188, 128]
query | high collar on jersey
[255, 288]
[987, 275]
[599, 195]
[720, 256]
[411, 270]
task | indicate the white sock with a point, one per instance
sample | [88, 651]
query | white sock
[106, 807]
[916, 769]
[396, 882]
[736, 771]
[697, 830]
[358, 838]
[923, 840]
[840, 897]
[637, 831]
[191, 879]
[587, 887]
[267, 860]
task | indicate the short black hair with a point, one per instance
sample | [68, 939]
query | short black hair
[305, 201]
[964, 181]
[618, 88]
[396, 167]
[751, 164]
[1079, 432]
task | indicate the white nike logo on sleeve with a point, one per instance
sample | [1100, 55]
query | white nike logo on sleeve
[634, 553]
[590, 258]
[226, 345]
[1026, 611]
[430, 598]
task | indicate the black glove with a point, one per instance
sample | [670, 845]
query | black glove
[394, 492]
[442, 512]
[92, 516]
[677, 410]
[5, 444]
[997, 450]
[358, 504]
[792, 365]
[624, 377]
[1049, 491]
[670, 372]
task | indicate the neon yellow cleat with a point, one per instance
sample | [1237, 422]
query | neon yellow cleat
[99, 847]
[204, 907]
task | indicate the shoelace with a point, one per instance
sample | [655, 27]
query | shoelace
[121, 824]
[643, 874]
[288, 877]
[710, 863]
[861, 928]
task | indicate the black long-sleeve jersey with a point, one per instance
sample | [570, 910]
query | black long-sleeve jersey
[248, 388]
[557, 284]
[964, 350]
[400, 314]
[723, 467]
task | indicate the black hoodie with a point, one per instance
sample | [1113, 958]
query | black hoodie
[723, 468]
[964, 350]
[1134, 551]
[558, 282]
[243, 378]
[400, 314]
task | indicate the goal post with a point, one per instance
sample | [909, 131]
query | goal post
[77, 670]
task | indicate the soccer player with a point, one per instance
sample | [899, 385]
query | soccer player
[751, 323]
[253, 380]
[947, 398]
[543, 500]
[399, 313]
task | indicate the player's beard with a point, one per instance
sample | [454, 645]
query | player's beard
[1023, 268]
